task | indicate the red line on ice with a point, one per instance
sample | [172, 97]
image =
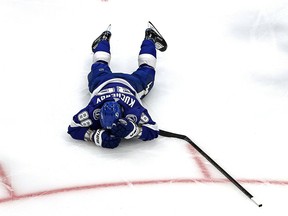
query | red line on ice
[6, 182]
[127, 184]
[196, 156]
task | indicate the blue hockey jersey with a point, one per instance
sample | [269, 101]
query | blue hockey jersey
[119, 90]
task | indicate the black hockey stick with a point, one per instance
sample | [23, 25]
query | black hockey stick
[229, 177]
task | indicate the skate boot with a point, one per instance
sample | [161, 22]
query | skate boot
[104, 36]
[153, 34]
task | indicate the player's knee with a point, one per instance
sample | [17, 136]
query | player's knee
[102, 56]
[147, 59]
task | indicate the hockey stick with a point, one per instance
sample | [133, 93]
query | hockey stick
[229, 177]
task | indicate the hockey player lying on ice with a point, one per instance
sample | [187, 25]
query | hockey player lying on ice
[115, 110]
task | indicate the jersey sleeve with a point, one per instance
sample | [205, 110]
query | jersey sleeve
[82, 125]
[149, 127]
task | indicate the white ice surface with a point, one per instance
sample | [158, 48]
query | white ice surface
[223, 81]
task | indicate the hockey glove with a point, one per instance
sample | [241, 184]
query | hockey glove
[125, 129]
[106, 140]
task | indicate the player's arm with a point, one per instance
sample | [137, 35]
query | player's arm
[80, 126]
[149, 128]
[145, 129]
[80, 129]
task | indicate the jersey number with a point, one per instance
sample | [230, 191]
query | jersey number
[83, 117]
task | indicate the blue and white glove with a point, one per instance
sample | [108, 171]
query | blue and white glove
[106, 140]
[125, 129]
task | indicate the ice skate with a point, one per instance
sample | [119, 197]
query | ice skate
[104, 36]
[152, 33]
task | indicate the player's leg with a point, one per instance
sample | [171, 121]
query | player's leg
[147, 59]
[101, 47]
[100, 70]
[145, 74]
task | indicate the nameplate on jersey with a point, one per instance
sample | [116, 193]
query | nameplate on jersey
[125, 98]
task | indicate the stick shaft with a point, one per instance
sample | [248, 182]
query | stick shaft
[228, 176]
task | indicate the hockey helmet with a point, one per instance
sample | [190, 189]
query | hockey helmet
[109, 113]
